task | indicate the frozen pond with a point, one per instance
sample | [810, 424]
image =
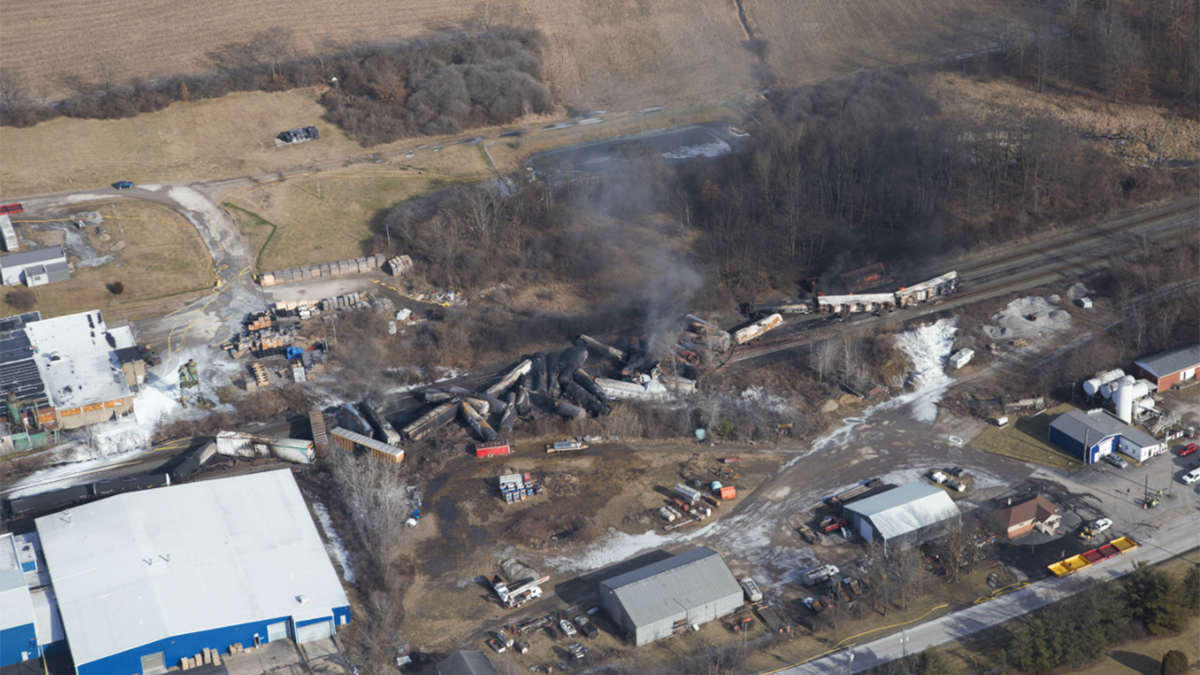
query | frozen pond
[676, 144]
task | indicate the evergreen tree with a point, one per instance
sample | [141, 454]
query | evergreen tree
[1155, 600]
[1191, 589]
[1174, 662]
[934, 662]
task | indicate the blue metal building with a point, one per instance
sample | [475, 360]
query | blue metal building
[1091, 435]
[145, 579]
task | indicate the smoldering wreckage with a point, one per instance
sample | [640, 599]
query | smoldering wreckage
[652, 368]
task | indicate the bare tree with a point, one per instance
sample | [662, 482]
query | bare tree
[275, 45]
[12, 92]
[905, 570]
[953, 548]
[324, 47]
[823, 356]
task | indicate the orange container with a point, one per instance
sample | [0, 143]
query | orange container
[728, 492]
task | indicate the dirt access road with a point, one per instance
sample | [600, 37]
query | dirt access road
[211, 318]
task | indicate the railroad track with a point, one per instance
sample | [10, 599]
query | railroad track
[1051, 260]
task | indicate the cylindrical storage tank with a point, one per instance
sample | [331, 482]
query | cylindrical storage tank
[1139, 389]
[1106, 390]
[1092, 387]
[1123, 398]
[1146, 403]
[1110, 375]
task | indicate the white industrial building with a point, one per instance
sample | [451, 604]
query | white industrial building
[145, 579]
[662, 598]
[76, 358]
[905, 516]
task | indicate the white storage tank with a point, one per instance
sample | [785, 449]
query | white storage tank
[1092, 386]
[1123, 397]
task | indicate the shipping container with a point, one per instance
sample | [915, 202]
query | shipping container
[494, 449]
[295, 450]
[727, 492]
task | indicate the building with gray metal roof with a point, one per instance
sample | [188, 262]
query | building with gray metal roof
[466, 663]
[144, 579]
[666, 597]
[1091, 435]
[905, 516]
[18, 633]
[1168, 368]
[36, 267]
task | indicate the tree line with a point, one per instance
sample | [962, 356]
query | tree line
[476, 74]
[1076, 631]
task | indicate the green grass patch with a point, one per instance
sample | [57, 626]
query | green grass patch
[1026, 440]
[258, 221]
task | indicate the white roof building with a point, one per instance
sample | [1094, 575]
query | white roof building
[144, 579]
[76, 360]
[904, 516]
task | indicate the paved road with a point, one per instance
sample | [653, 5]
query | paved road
[1180, 537]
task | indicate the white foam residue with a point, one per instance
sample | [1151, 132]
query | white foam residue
[927, 349]
[765, 400]
[334, 547]
[714, 149]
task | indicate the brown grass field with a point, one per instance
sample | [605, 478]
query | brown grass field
[613, 54]
[963, 98]
[158, 256]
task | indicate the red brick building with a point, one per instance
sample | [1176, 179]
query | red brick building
[1168, 368]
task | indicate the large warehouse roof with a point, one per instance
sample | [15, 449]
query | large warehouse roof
[1172, 360]
[906, 509]
[687, 580]
[144, 566]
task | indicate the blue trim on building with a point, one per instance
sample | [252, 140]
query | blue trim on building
[1075, 448]
[309, 622]
[181, 646]
[15, 640]
[341, 616]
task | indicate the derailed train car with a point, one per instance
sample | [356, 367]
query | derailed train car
[854, 303]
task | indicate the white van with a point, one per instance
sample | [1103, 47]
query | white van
[1191, 477]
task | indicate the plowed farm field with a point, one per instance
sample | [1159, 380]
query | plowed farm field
[598, 53]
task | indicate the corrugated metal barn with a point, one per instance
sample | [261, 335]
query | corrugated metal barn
[905, 516]
[145, 579]
[690, 588]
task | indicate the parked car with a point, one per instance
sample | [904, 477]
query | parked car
[567, 628]
[1188, 449]
[123, 184]
[1096, 527]
[1115, 460]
